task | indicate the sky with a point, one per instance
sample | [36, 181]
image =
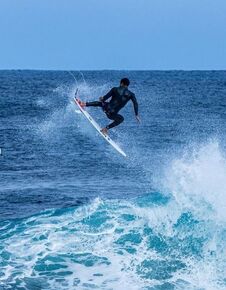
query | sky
[113, 34]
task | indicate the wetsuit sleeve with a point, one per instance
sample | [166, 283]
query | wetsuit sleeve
[135, 104]
[108, 95]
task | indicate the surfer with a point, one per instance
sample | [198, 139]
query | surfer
[119, 98]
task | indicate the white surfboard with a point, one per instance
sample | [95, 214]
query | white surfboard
[98, 128]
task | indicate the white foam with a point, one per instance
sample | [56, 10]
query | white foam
[197, 181]
[78, 232]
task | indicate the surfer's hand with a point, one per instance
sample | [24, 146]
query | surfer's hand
[101, 99]
[138, 119]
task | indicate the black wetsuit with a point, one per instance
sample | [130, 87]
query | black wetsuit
[119, 97]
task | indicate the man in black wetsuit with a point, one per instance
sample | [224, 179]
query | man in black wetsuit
[119, 98]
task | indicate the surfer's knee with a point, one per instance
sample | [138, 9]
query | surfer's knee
[119, 119]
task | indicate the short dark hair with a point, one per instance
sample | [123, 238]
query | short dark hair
[125, 82]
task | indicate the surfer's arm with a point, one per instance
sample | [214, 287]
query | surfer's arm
[107, 96]
[135, 104]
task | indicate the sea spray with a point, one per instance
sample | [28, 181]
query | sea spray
[197, 180]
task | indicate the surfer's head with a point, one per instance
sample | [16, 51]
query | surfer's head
[124, 82]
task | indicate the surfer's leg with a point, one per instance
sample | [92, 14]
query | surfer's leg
[94, 104]
[118, 119]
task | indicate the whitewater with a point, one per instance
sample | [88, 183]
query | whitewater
[74, 214]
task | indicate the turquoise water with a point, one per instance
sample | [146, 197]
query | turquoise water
[146, 243]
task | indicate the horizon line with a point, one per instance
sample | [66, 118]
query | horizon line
[86, 70]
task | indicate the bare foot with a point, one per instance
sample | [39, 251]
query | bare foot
[82, 104]
[104, 131]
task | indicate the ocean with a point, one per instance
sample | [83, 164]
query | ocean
[75, 214]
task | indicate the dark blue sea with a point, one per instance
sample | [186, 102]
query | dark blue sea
[75, 214]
